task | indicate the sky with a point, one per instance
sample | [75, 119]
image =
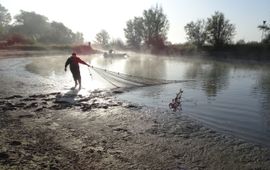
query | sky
[91, 16]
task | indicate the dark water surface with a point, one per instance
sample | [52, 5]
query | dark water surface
[230, 97]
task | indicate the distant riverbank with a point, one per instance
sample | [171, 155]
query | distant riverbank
[36, 50]
[256, 51]
[29, 53]
[245, 52]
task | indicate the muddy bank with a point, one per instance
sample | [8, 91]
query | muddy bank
[29, 53]
[69, 131]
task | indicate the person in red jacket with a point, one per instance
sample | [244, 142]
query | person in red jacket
[73, 62]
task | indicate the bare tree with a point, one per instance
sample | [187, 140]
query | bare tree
[265, 30]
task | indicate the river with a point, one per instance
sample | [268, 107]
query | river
[230, 97]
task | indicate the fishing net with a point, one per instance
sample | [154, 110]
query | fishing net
[125, 80]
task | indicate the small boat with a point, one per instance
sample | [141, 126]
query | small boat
[113, 54]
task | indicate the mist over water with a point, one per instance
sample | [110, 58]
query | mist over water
[229, 97]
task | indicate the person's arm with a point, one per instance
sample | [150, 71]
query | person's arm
[67, 63]
[82, 62]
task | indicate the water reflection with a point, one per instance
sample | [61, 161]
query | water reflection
[262, 88]
[231, 97]
[212, 78]
[149, 67]
[215, 79]
[220, 96]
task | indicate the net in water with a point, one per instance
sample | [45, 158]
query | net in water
[126, 80]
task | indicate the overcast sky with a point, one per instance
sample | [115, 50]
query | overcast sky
[90, 16]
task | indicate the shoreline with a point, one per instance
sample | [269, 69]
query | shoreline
[225, 54]
[17, 53]
[30, 53]
[98, 131]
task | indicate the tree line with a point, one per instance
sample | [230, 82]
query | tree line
[216, 31]
[30, 27]
[148, 31]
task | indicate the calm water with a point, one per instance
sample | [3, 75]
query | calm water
[232, 98]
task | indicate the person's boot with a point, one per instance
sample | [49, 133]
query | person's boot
[73, 88]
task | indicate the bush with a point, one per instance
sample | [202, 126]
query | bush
[18, 39]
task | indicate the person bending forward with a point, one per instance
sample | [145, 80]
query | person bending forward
[73, 62]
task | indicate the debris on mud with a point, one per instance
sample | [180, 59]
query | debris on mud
[70, 131]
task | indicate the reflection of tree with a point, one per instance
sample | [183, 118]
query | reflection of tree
[264, 89]
[193, 71]
[104, 62]
[150, 67]
[214, 77]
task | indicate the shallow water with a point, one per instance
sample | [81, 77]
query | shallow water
[232, 98]
[229, 97]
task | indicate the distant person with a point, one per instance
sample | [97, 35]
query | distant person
[73, 62]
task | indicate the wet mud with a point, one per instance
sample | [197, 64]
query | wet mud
[97, 131]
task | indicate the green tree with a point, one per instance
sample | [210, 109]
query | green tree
[78, 38]
[102, 38]
[241, 42]
[196, 32]
[155, 27]
[58, 33]
[219, 30]
[31, 24]
[37, 28]
[117, 43]
[134, 32]
[5, 19]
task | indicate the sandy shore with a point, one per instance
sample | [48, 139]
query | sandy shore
[46, 131]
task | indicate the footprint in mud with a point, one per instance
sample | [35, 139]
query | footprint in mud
[39, 109]
[119, 129]
[3, 156]
[2, 102]
[39, 96]
[125, 133]
[26, 116]
[32, 105]
[13, 97]
[28, 99]
[15, 143]
[19, 105]
[48, 99]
